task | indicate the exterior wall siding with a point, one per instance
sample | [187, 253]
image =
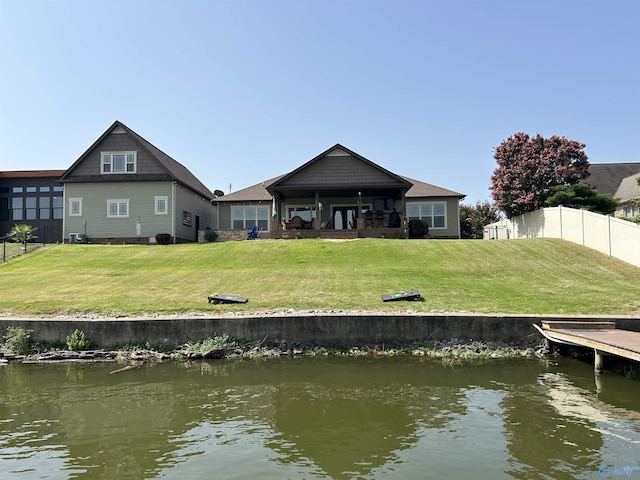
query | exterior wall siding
[145, 163]
[190, 202]
[94, 222]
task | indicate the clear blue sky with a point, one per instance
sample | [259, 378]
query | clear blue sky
[240, 91]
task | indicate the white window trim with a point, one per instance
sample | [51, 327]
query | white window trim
[71, 202]
[433, 204]
[103, 162]
[156, 199]
[118, 201]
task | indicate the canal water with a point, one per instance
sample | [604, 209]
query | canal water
[318, 418]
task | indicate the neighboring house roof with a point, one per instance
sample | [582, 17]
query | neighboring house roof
[606, 177]
[174, 170]
[629, 188]
[32, 174]
[422, 189]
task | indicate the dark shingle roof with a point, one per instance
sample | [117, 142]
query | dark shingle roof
[174, 169]
[628, 188]
[606, 177]
[258, 192]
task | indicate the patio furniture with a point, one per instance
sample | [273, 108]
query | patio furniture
[368, 219]
[254, 233]
[379, 218]
[296, 222]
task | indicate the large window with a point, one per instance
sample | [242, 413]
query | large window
[433, 214]
[118, 162]
[117, 208]
[245, 218]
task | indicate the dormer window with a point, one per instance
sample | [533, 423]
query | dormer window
[118, 162]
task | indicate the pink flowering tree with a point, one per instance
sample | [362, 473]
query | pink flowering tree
[528, 168]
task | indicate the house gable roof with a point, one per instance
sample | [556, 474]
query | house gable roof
[629, 188]
[606, 177]
[166, 168]
[335, 169]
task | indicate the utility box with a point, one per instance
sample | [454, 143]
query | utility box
[77, 238]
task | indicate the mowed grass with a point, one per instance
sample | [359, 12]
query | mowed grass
[536, 276]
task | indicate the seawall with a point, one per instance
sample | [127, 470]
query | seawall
[342, 329]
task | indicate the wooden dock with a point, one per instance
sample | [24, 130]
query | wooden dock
[603, 337]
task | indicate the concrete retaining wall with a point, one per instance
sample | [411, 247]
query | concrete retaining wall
[318, 330]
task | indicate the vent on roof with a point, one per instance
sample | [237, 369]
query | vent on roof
[119, 130]
[337, 153]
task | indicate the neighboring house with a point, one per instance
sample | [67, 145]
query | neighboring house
[338, 194]
[617, 180]
[125, 190]
[629, 195]
[32, 197]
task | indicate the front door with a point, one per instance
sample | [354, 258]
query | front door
[345, 218]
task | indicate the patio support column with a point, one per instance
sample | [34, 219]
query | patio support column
[316, 224]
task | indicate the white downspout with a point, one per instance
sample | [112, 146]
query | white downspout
[173, 211]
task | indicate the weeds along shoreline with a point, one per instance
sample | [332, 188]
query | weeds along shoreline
[454, 351]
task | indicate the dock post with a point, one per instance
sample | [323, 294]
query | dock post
[599, 360]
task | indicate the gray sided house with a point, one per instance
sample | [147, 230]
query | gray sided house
[125, 190]
[338, 194]
[620, 181]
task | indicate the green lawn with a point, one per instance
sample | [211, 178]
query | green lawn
[538, 276]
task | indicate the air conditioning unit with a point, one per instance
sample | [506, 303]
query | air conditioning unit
[77, 238]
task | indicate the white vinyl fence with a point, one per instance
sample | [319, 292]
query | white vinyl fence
[609, 235]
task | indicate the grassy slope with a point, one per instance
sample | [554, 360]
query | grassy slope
[517, 276]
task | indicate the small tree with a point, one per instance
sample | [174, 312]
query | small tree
[581, 196]
[474, 218]
[528, 168]
[22, 233]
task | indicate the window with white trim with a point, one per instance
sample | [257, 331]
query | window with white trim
[117, 208]
[434, 214]
[75, 207]
[118, 162]
[307, 213]
[245, 218]
[161, 205]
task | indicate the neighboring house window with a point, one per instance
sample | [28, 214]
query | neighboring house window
[75, 207]
[630, 211]
[117, 208]
[244, 218]
[30, 208]
[433, 213]
[161, 205]
[45, 208]
[16, 207]
[57, 208]
[119, 162]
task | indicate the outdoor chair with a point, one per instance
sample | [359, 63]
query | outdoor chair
[254, 233]
[296, 222]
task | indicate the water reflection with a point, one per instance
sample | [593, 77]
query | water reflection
[315, 418]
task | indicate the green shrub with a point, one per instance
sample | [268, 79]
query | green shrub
[210, 235]
[78, 341]
[418, 229]
[18, 340]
